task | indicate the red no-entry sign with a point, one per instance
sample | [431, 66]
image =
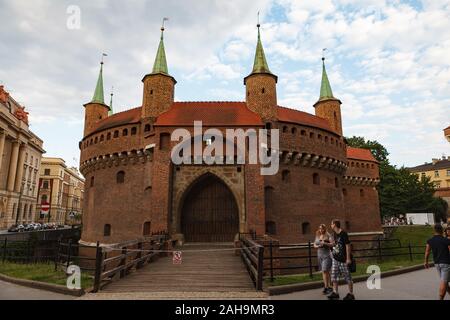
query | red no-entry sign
[177, 257]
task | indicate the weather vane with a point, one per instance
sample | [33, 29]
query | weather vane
[163, 23]
[103, 55]
[259, 24]
[323, 53]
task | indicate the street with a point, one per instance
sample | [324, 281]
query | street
[417, 285]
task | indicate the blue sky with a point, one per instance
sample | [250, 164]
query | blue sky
[388, 61]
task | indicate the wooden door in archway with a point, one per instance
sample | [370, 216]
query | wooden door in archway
[209, 212]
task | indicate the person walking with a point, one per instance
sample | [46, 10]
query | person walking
[439, 245]
[342, 259]
[323, 245]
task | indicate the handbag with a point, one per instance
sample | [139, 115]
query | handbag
[352, 266]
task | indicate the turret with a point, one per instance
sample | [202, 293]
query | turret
[261, 86]
[328, 106]
[96, 110]
[159, 86]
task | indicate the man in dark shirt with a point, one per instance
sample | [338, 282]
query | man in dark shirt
[341, 252]
[441, 256]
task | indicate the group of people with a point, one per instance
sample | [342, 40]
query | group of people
[334, 253]
[395, 221]
[439, 245]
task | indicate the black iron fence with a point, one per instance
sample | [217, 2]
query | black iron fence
[305, 254]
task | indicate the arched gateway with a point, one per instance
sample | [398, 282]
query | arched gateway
[209, 212]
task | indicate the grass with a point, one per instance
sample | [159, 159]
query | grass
[416, 235]
[41, 272]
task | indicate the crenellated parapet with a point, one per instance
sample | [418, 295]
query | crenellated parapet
[305, 159]
[361, 181]
[125, 158]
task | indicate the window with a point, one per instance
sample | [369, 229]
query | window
[286, 175]
[102, 138]
[448, 172]
[46, 172]
[294, 130]
[285, 129]
[133, 131]
[344, 192]
[311, 135]
[107, 230]
[147, 128]
[306, 228]
[326, 139]
[436, 174]
[268, 198]
[336, 182]
[120, 177]
[263, 90]
[147, 228]
[316, 179]
[303, 133]
[271, 227]
[319, 136]
[45, 185]
[96, 140]
[44, 198]
[164, 141]
[361, 193]
[116, 134]
[108, 136]
[92, 181]
[125, 132]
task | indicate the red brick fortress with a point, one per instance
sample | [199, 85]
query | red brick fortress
[133, 188]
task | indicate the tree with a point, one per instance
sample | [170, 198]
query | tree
[401, 191]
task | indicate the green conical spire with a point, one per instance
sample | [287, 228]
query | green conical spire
[98, 94]
[111, 112]
[325, 88]
[260, 65]
[160, 65]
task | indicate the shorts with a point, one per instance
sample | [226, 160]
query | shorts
[444, 271]
[325, 263]
[340, 269]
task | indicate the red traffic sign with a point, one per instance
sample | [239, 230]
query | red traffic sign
[177, 257]
[45, 207]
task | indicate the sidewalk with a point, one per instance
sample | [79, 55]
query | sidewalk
[417, 285]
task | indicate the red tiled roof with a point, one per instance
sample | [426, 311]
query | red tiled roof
[360, 154]
[210, 113]
[118, 119]
[215, 113]
[300, 117]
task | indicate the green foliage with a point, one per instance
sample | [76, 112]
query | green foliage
[41, 272]
[401, 191]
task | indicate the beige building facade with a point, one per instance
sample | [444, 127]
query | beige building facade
[62, 188]
[20, 159]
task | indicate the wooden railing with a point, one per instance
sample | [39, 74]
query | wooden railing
[117, 261]
[252, 255]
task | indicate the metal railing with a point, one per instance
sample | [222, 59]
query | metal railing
[305, 253]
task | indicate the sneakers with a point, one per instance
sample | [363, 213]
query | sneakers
[333, 296]
[327, 290]
[349, 296]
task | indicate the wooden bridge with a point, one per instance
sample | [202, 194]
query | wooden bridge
[204, 268]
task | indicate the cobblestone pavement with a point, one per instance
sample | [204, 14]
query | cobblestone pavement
[176, 296]
[10, 291]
